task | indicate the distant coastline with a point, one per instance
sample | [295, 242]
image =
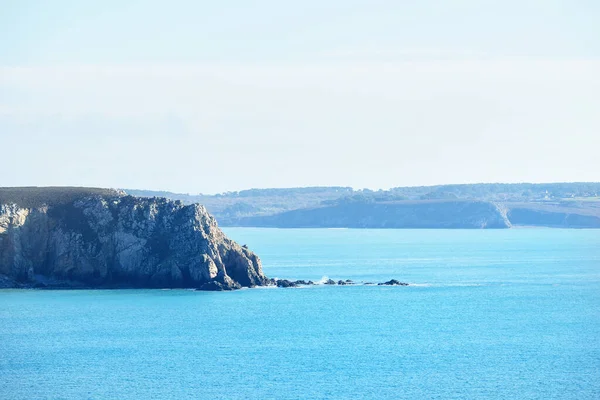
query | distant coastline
[468, 206]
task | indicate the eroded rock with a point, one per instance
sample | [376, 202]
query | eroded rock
[121, 241]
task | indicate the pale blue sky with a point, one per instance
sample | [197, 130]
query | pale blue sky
[199, 96]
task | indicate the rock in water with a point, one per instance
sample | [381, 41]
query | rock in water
[285, 283]
[304, 283]
[119, 241]
[393, 282]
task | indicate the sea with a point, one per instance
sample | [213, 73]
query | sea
[488, 314]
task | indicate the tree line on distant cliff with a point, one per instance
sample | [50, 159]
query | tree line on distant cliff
[294, 198]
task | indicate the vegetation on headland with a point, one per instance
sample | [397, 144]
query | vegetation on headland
[33, 196]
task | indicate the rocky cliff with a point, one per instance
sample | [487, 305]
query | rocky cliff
[112, 240]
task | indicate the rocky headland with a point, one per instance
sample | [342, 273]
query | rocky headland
[75, 237]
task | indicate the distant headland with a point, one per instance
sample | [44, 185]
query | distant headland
[485, 205]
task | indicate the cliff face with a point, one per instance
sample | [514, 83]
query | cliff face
[554, 217]
[400, 214]
[121, 241]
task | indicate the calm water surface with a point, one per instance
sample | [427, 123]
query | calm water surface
[491, 315]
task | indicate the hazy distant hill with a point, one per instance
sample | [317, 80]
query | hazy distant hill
[524, 204]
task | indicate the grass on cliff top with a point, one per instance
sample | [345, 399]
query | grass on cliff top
[33, 196]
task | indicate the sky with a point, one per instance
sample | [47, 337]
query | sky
[213, 96]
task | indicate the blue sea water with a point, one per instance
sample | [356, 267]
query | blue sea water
[499, 314]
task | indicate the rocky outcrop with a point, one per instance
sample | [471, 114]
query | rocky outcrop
[285, 283]
[393, 282]
[120, 241]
